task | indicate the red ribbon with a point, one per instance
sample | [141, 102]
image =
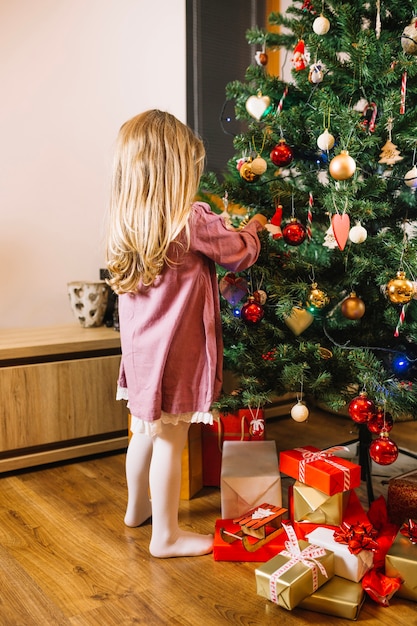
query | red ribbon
[377, 585]
[358, 537]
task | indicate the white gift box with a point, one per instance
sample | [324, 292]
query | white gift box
[346, 565]
[249, 477]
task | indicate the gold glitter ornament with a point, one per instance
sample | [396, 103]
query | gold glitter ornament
[317, 297]
[400, 290]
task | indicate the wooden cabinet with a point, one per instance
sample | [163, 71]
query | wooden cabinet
[57, 395]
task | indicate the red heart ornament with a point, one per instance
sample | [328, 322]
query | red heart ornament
[341, 227]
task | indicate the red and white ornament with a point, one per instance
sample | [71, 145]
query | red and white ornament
[274, 224]
[299, 57]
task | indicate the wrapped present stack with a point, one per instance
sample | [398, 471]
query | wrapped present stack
[325, 554]
[323, 484]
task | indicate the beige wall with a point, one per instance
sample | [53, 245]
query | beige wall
[71, 72]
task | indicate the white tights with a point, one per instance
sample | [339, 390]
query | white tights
[155, 463]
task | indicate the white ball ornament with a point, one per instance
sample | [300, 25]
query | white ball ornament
[321, 25]
[325, 141]
[299, 412]
[358, 233]
[410, 178]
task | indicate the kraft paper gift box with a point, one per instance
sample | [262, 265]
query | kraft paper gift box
[312, 505]
[338, 597]
[242, 425]
[249, 477]
[320, 469]
[346, 565]
[401, 562]
[290, 577]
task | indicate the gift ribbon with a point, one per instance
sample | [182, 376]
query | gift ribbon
[322, 455]
[357, 537]
[295, 555]
[409, 530]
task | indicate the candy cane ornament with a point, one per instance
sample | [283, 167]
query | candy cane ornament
[400, 321]
[309, 215]
[403, 92]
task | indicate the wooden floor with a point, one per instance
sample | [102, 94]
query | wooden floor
[66, 557]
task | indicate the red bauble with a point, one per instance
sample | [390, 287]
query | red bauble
[380, 421]
[361, 408]
[294, 232]
[383, 450]
[251, 312]
[282, 154]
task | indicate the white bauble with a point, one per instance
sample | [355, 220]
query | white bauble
[321, 25]
[410, 178]
[358, 233]
[299, 412]
[325, 141]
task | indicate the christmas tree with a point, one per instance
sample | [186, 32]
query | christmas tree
[329, 311]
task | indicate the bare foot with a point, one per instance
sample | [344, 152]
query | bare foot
[184, 544]
[137, 516]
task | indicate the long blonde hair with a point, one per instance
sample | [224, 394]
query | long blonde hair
[157, 169]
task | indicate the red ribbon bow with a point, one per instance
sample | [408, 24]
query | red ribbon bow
[357, 536]
[409, 529]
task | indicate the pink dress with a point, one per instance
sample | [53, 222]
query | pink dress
[171, 336]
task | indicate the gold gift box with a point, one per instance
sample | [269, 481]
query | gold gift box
[338, 597]
[401, 562]
[310, 504]
[296, 583]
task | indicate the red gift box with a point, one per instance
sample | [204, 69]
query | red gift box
[320, 469]
[244, 425]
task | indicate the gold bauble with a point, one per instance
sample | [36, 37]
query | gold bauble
[317, 298]
[352, 307]
[246, 172]
[258, 166]
[400, 290]
[342, 166]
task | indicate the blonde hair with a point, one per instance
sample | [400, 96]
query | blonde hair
[157, 169]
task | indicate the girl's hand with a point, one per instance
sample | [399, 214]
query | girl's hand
[259, 218]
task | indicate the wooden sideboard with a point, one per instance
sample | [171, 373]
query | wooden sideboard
[57, 395]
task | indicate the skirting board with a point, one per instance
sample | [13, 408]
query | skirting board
[33, 459]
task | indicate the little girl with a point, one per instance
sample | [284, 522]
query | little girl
[161, 252]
